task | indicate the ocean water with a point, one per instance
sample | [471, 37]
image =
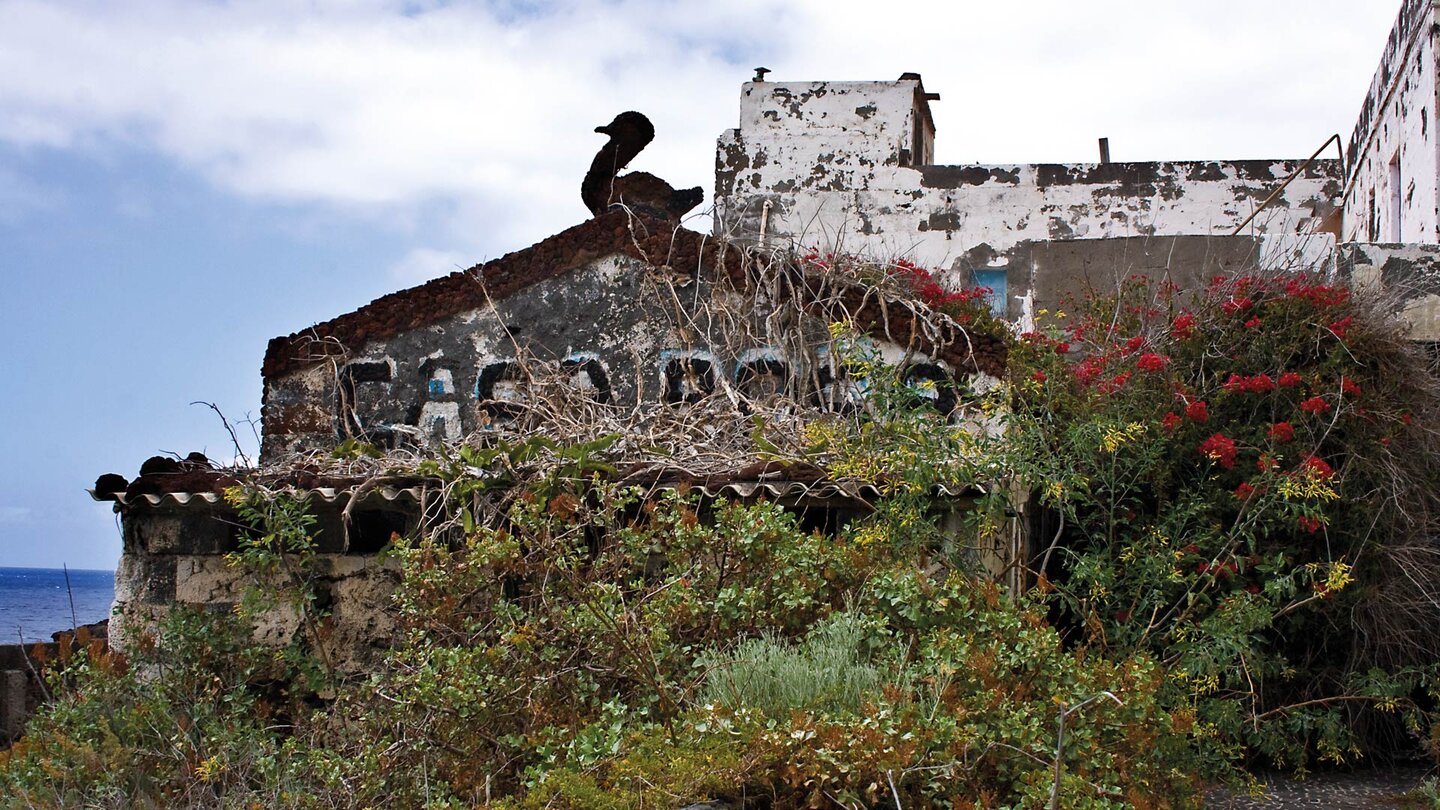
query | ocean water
[34, 602]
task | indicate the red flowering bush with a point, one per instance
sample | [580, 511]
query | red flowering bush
[1219, 449]
[1227, 472]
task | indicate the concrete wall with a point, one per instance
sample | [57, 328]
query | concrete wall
[826, 164]
[1406, 276]
[1052, 273]
[1390, 193]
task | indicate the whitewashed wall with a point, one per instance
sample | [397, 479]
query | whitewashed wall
[1391, 191]
[841, 165]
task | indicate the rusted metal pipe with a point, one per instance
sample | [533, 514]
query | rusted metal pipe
[1339, 148]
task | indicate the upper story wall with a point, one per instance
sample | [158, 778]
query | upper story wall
[1390, 193]
[827, 164]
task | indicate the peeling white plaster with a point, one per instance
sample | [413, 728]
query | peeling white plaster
[1391, 194]
[841, 181]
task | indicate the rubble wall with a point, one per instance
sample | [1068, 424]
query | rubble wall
[174, 554]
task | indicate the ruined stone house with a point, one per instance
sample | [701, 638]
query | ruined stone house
[609, 307]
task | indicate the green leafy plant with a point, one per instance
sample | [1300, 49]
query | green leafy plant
[1233, 496]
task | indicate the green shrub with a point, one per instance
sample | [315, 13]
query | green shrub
[826, 672]
[1246, 482]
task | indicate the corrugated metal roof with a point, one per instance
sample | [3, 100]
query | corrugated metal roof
[857, 491]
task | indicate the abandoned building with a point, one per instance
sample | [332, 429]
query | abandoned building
[632, 311]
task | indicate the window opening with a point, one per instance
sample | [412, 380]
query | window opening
[588, 373]
[686, 376]
[993, 279]
[1395, 198]
[762, 374]
[349, 423]
[932, 385]
[500, 389]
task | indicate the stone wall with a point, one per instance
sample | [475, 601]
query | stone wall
[1390, 194]
[174, 554]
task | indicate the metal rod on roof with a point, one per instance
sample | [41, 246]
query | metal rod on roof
[1303, 166]
[1104, 150]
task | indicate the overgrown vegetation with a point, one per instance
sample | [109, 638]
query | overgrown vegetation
[1248, 493]
[1238, 564]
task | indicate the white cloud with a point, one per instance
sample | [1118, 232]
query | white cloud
[423, 264]
[377, 107]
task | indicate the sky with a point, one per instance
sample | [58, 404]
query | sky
[182, 181]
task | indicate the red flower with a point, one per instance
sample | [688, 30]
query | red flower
[1235, 305]
[1253, 322]
[1289, 379]
[1282, 432]
[1220, 449]
[1315, 467]
[1348, 386]
[1062, 347]
[1183, 327]
[1198, 411]
[1038, 376]
[1090, 368]
[1133, 344]
[1260, 384]
[1151, 361]
[1244, 491]
[1170, 421]
[1266, 463]
[1315, 405]
[1309, 524]
[1338, 328]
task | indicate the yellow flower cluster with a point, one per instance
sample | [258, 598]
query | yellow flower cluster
[1338, 577]
[208, 769]
[1306, 487]
[1116, 437]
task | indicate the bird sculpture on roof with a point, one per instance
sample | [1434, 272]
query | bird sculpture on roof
[604, 186]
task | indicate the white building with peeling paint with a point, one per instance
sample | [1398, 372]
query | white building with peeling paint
[848, 167]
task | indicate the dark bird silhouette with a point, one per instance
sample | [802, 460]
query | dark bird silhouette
[603, 186]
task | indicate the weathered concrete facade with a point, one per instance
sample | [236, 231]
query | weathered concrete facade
[1409, 276]
[846, 166]
[628, 330]
[1391, 188]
